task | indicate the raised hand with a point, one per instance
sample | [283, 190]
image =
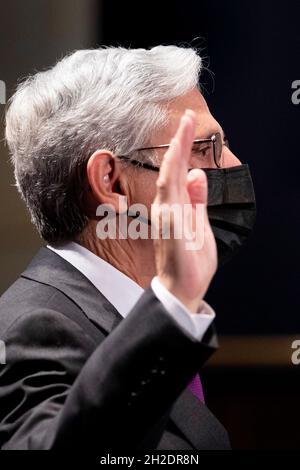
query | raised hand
[186, 273]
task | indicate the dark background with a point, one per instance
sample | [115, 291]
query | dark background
[253, 50]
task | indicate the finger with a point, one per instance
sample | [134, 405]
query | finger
[197, 186]
[167, 179]
[185, 135]
[193, 117]
[178, 155]
[174, 166]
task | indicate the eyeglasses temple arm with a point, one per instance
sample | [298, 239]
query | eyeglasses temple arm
[147, 166]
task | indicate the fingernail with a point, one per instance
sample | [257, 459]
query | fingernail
[190, 113]
[185, 118]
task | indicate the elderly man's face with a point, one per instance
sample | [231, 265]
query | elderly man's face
[144, 189]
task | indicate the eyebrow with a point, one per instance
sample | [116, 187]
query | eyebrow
[220, 130]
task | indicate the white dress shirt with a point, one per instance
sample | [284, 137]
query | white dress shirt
[123, 293]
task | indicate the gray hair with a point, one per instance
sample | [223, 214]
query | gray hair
[113, 98]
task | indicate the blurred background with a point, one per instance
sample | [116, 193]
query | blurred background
[252, 51]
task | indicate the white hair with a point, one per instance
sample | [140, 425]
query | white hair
[113, 98]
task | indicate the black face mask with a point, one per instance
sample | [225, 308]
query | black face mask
[231, 208]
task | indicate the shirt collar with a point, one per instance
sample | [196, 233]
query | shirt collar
[121, 291]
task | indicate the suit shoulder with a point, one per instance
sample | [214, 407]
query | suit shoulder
[25, 296]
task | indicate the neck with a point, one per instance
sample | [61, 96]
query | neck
[134, 258]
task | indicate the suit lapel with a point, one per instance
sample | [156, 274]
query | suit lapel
[49, 268]
[200, 427]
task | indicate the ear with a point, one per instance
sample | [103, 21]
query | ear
[103, 178]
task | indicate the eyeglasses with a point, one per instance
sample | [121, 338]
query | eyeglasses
[209, 150]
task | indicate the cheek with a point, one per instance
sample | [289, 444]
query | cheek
[144, 189]
[149, 190]
[229, 159]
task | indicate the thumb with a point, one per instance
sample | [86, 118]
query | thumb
[197, 186]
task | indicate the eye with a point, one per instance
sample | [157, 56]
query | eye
[201, 149]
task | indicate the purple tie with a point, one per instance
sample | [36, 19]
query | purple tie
[196, 387]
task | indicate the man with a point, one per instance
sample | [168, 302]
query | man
[105, 336]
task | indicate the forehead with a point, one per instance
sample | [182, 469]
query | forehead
[206, 124]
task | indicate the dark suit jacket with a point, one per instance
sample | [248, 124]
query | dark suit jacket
[78, 375]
